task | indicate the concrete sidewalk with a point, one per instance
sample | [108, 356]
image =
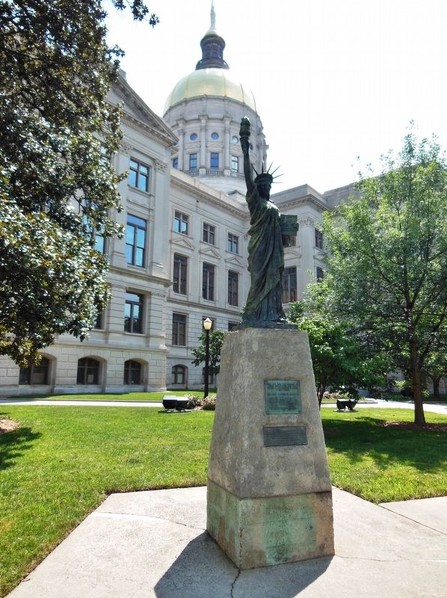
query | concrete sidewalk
[143, 544]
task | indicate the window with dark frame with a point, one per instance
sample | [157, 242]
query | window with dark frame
[232, 326]
[180, 274]
[99, 322]
[179, 374]
[233, 243]
[88, 371]
[181, 222]
[289, 285]
[95, 237]
[35, 374]
[214, 161]
[209, 233]
[208, 281]
[320, 274]
[133, 313]
[233, 288]
[192, 161]
[234, 163]
[138, 176]
[318, 239]
[179, 330]
[132, 372]
[136, 230]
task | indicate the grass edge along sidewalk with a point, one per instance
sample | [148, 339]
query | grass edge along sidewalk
[60, 464]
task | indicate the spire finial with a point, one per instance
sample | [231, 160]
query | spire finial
[213, 17]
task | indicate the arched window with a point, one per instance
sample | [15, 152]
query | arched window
[35, 374]
[179, 374]
[88, 371]
[132, 372]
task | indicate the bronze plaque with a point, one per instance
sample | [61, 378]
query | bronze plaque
[282, 396]
[284, 435]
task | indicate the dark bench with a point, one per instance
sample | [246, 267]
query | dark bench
[178, 403]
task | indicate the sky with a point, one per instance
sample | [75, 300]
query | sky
[336, 82]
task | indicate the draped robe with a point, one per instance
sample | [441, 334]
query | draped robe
[265, 263]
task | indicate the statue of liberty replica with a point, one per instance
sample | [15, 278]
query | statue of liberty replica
[268, 231]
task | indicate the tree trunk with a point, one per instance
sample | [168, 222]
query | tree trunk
[416, 379]
[320, 393]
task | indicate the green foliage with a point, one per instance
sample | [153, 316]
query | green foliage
[339, 358]
[387, 269]
[57, 185]
[216, 342]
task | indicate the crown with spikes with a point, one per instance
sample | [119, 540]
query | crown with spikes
[265, 176]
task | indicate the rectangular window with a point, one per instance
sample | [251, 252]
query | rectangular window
[180, 274]
[175, 163]
[233, 288]
[181, 223]
[232, 326]
[209, 233]
[135, 240]
[214, 161]
[100, 243]
[234, 163]
[320, 273]
[179, 374]
[133, 313]
[318, 239]
[192, 161]
[179, 330]
[138, 175]
[99, 323]
[208, 282]
[289, 289]
[233, 243]
[94, 236]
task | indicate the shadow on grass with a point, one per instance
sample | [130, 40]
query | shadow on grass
[14, 443]
[424, 450]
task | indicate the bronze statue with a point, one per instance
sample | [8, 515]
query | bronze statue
[265, 248]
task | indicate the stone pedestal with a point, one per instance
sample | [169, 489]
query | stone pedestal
[269, 491]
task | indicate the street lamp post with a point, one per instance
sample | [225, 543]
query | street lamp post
[207, 325]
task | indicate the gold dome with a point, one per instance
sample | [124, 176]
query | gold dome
[209, 82]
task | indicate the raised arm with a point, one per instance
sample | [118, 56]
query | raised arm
[244, 134]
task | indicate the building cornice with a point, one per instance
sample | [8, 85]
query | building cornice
[201, 192]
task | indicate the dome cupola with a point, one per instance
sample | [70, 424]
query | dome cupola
[204, 110]
[212, 47]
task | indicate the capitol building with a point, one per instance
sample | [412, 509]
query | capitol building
[183, 257]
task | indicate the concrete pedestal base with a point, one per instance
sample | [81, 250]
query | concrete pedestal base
[269, 492]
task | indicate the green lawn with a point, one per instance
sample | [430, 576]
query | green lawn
[384, 464]
[61, 463]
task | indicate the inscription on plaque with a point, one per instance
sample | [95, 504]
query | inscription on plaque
[284, 435]
[282, 396]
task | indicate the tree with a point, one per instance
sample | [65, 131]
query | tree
[57, 185]
[387, 266]
[216, 342]
[339, 358]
